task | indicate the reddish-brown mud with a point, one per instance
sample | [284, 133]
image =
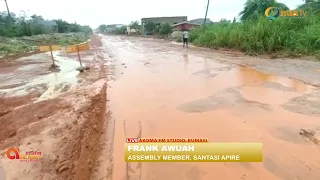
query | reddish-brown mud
[163, 91]
[59, 114]
[156, 89]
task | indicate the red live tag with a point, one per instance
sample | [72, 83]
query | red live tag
[132, 140]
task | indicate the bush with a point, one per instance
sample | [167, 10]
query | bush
[149, 27]
[165, 29]
[160, 29]
[19, 26]
[31, 43]
[121, 30]
[20, 35]
[293, 35]
[176, 36]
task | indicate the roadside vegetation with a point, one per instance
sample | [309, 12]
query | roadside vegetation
[253, 33]
[24, 34]
[113, 29]
[151, 28]
[256, 34]
[14, 45]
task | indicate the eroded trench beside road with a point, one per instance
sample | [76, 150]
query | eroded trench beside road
[57, 112]
[148, 88]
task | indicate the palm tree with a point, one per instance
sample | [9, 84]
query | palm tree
[309, 1]
[254, 8]
[312, 6]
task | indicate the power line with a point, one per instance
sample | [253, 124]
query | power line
[7, 9]
[205, 18]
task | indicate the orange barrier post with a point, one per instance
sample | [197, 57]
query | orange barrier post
[53, 64]
[79, 56]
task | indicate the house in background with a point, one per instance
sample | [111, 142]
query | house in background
[113, 27]
[200, 21]
[170, 20]
[184, 25]
[159, 20]
[190, 24]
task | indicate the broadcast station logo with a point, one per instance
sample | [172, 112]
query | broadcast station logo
[273, 13]
[29, 156]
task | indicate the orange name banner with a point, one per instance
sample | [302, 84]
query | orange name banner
[166, 140]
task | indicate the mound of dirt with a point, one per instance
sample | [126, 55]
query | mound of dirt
[66, 130]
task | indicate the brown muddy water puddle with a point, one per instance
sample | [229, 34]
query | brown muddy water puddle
[167, 92]
[37, 76]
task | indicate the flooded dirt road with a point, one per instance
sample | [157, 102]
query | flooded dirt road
[57, 113]
[138, 87]
[159, 90]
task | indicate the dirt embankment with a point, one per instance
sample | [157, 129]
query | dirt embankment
[64, 126]
[80, 148]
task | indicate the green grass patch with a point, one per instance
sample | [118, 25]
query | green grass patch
[294, 36]
[16, 45]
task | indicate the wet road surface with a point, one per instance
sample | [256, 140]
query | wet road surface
[159, 90]
[58, 112]
[37, 75]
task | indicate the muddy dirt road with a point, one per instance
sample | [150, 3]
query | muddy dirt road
[162, 91]
[148, 88]
[58, 113]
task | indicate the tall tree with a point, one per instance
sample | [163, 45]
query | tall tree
[102, 28]
[165, 29]
[150, 27]
[255, 8]
[135, 25]
[312, 6]
[62, 26]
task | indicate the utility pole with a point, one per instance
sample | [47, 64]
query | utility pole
[205, 18]
[8, 9]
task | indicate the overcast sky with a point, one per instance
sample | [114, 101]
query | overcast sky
[96, 12]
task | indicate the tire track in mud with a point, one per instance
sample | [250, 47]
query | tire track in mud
[225, 99]
[111, 165]
[104, 166]
[133, 173]
[111, 131]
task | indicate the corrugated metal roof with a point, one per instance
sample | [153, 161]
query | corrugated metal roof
[186, 22]
[200, 21]
[165, 17]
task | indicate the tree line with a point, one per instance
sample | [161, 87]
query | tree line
[151, 28]
[157, 28]
[13, 26]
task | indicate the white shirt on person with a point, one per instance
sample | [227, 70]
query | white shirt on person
[185, 34]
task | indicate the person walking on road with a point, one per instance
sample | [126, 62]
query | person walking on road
[185, 35]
